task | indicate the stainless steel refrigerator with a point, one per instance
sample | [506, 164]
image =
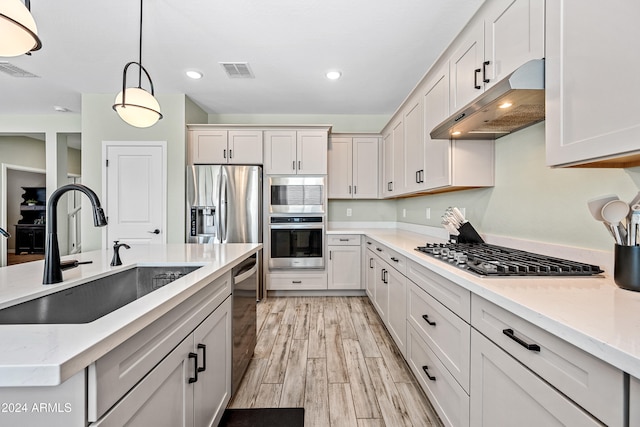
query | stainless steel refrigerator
[224, 205]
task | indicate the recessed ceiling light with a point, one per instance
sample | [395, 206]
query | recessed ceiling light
[194, 74]
[456, 133]
[333, 75]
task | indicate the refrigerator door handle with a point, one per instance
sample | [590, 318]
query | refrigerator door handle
[223, 208]
[218, 226]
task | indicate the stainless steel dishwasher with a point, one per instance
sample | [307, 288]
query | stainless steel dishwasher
[246, 283]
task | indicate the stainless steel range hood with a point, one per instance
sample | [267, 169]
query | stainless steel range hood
[514, 103]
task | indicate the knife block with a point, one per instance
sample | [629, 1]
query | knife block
[468, 234]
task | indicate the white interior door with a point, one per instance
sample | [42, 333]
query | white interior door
[136, 188]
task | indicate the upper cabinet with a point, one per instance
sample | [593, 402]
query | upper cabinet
[353, 166]
[220, 146]
[393, 160]
[295, 152]
[508, 34]
[592, 111]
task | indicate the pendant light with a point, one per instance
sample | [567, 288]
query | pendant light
[18, 32]
[135, 105]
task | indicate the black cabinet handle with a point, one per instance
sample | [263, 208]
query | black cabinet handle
[378, 249]
[344, 240]
[293, 166]
[355, 189]
[299, 165]
[370, 262]
[426, 319]
[204, 357]
[329, 255]
[510, 334]
[422, 175]
[296, 281]
[224, 154]
[349, 189]
[484, 71]
[426, 371]
[382, 275]
[417, 177]
[368, 243]
[386, 275]
[475, 78]
[195, 367]
[394, 259]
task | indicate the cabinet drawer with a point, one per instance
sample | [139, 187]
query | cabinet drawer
[448, 398]
[590, 382]
[114, 374]
[452, 296]
[343, 239]
[447, 335]
[395, 260]
[506, 393]
[292, 282]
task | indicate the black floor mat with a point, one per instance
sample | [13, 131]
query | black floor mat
[263, 417]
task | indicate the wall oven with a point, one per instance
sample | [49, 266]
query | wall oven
[296, 242]
[297, 194]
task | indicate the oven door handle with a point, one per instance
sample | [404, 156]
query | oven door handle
[296, 227]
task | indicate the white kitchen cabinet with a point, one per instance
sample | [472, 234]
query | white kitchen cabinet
[344, 262]
[592, 95]
[381, 301]
[634, 405]
[588, 381]
[505, 393]
[353, 167]
[505, 35]
[397, 309]
[371, 265]
[190, 387]
[393, 161]
[221, 146]
[295, 152]
[296, 281]
[414, 156]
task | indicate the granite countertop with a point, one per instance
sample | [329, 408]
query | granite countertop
[43, 355]
[591, 313]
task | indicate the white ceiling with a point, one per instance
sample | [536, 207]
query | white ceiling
[382, 47]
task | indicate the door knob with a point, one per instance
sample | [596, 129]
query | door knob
[156, 231]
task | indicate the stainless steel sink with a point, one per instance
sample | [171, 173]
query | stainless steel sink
[89, 301]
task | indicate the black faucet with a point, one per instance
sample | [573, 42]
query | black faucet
[52, 265]
[4, 233]
[116, 253]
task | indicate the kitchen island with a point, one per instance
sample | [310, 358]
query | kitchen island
[40, 359]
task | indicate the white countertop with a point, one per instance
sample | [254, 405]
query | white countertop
[591, 313]
[32, 355]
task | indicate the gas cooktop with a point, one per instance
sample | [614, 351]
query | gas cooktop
[491, 260]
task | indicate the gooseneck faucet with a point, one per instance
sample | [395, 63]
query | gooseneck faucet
[116, 253]
[52, 265]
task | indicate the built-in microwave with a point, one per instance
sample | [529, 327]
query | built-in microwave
[297, 194]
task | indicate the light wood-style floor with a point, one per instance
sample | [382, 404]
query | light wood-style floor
[334, 357]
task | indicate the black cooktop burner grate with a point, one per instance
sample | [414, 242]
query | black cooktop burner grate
[491, 260]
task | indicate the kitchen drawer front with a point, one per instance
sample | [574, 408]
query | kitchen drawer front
[445, 394]
[447, 335]
[452, 296]
[343, 239]
[114, 374]
[395, 260]
[292, 282]
[587, 380]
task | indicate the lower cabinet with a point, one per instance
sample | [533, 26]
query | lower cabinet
[506, 393]
[303, 281]
[397, 312]
[344, 262]
[634, 400]
[190, 387]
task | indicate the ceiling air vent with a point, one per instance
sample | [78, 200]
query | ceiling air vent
[237, 70]
[14, 71]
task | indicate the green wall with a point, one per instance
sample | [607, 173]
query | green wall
[100, 123]
[531, 201]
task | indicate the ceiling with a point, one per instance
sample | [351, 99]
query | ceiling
[382, 48]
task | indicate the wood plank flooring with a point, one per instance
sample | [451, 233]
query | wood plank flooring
[334, 357]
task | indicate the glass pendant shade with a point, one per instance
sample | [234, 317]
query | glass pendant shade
[140, 108]
[18, 31]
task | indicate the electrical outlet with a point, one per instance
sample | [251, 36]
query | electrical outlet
[348, 211]
[404, 213]
[428, 213]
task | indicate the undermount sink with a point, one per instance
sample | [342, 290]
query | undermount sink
[89, 301]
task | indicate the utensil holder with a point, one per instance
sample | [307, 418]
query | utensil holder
[626, 269]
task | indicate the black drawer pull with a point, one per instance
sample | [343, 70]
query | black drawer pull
[344, 240]
[510, 334]
[426, 319]
[296, 281]
[204, 357]
[426, 371]
[394, 259]
[195, 368]
[368, 243]
[378, 249]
